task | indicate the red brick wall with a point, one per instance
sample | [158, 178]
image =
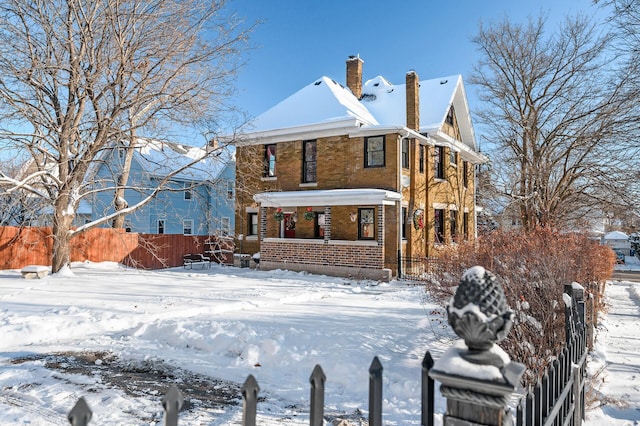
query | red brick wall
[315, 252]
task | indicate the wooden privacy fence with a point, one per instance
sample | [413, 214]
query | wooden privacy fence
[81, 413]
[22, 246]
[556, 399]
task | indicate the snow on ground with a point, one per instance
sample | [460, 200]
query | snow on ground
[615, 361]
[227, 323]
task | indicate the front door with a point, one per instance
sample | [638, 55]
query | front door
[289, 226]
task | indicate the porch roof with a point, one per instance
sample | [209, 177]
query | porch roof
[329, 197]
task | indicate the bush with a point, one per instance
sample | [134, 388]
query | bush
[533, 269]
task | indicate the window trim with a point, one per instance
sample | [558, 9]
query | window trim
[367, 164]
[250, 224]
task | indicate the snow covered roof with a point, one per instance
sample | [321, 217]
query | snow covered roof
[326, 108]
[160, 158]
[323, 101]
[616, 235]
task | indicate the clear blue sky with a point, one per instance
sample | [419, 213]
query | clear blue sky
[300, 40]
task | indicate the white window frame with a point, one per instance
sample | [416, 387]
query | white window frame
[186, 226]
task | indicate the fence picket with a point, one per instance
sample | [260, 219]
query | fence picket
[537, 396]
[375, 393]
[427, 391]
[520, 413]
[249, 391]
[317, 379]
[529, 408]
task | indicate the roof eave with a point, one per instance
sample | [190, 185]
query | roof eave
[331, 197]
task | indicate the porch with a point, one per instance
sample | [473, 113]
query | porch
[344, 232]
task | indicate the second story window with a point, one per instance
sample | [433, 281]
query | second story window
[309, 155]
[374, 151]
[405, 153]
[230, 190]
[187, 192]
[453, 157]
[187, 227]
[421, 165]
[438, 169]
[269, 161]
[160, 226]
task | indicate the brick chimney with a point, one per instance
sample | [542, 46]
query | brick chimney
[354, 75]
[413, 101]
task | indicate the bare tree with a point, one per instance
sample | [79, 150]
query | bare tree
[557, 116]
[79, 75]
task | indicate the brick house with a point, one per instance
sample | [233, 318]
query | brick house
[348, 180]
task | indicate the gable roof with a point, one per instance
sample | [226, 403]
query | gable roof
[160, 158]
[325, 108]
[323, 101]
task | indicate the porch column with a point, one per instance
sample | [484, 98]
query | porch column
[327, 224]
[263, 223]
[381, 224]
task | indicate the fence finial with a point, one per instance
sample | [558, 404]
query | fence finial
[80, 414]
[478, 377]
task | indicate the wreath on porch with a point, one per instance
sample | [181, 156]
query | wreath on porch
[278, 215]
[418, 219]
[308, 215]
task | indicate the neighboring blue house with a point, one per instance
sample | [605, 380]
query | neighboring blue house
[196, 201]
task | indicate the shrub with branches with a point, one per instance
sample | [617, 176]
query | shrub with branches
[533, 269]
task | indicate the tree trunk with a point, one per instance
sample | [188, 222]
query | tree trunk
[61, 255]
[119, 201]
